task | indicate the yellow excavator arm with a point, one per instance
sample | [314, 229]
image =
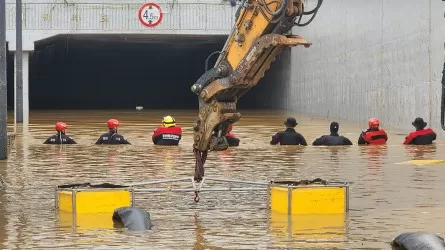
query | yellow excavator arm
[262, 29]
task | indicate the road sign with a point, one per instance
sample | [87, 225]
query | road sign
[150, 14]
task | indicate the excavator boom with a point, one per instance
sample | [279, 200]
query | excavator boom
[262, 29]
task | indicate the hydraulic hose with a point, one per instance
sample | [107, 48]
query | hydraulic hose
[315, 9]
[313, 12]
[278, 15]
[208, 58]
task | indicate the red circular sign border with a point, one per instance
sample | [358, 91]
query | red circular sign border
[160, 15]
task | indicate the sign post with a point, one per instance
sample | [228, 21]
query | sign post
[150, 15]
[3, 88]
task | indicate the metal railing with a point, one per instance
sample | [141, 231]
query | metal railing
[105, 17]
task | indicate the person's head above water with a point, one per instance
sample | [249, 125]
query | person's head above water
[61, 127]
[373, 123]
[290, 122]
[113, 124]
[168, 121]
[334, 127]
[418, 123]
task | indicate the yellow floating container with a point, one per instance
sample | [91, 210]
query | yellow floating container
[309, 197]
[90, 199]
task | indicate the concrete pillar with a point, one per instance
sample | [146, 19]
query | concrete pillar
[3, 89]
[26, 88]
[21, 95]
[19, 63]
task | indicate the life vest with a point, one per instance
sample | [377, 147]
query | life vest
[421, 137]
[376, 137]
[167, 136]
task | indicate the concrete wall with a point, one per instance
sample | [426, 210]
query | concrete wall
[381, 58]
[46, 18]
[270, 92]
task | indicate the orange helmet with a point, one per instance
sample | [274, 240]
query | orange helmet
[112, 123]
[60, 126]
[373, 123]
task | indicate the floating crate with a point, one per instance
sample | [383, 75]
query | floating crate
[318, 198]
[90, 199]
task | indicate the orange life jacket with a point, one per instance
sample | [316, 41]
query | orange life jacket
[376, 137]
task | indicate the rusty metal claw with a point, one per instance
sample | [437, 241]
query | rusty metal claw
[242, 63]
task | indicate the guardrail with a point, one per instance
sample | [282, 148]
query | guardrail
[78, 17]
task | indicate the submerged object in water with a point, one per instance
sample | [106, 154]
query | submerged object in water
[133, 219]
[418, 240]
[422, 162]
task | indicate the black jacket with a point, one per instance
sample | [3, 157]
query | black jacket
[60, 138]
[112, 138]
[332, 140]
[288, 137]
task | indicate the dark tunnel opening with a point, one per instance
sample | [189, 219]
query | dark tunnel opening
[116, 72]
[10, 77]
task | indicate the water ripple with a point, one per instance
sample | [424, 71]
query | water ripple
[386, 198]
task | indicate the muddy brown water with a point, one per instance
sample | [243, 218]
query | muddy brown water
[385, 198]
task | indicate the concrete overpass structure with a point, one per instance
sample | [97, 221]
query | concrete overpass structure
[46, 19]
[381, 58]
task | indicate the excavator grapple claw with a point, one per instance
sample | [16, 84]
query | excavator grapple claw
[261, 31]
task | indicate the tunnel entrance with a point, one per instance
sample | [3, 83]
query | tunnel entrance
[122, 72]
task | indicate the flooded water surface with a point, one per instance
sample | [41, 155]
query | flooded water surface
[386, 198]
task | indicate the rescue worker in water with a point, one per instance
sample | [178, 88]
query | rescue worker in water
[421, 136]
[333, 139]
[231, 138]
[112, 137]
[373, 135]
[289, 136]
[60, 137]
[168, 134]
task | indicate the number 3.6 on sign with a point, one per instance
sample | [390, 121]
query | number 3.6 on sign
[150, 14]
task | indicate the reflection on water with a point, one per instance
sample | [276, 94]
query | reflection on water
[386, 198]
[327, 230]
[421, 152]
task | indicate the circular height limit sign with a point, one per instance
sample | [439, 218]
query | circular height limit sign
[150, 14]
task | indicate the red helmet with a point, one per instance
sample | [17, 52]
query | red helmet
[112, 123]
[373, 123]
[60, 126]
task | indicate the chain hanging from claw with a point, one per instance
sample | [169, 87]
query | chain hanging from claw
[200, 158]
[196, 199]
